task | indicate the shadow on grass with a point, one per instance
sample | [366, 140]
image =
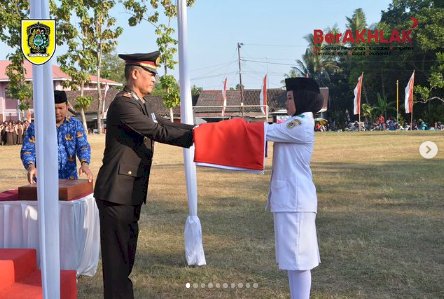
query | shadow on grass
[379, 227]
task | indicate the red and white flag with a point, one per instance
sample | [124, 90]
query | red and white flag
[409, 94]
[357, 92]
[263, 95]
[231, 144]
[224, 96]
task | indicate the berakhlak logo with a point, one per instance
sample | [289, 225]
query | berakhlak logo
[38, 40]
[365, 36]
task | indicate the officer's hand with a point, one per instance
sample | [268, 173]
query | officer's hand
[32, 174]
[84, 169]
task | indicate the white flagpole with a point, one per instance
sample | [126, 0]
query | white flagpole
[47, 166]
[194, 252]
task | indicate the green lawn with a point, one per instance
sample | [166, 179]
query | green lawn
[380, 223]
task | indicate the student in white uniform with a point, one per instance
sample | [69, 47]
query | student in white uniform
[292, 197]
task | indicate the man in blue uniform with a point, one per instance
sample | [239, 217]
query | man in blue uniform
[71, 140]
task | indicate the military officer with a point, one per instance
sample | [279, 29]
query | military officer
[122, 182]
[292, 196]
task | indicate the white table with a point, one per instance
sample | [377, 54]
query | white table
[79, 231]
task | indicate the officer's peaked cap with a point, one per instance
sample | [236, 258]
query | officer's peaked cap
[148, 61]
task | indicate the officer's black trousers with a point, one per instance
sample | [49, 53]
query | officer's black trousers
[118, 239]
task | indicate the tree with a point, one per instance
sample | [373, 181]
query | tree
[426, 54]
[314, 65]
[18, 88]
[168, 89]
[357, 21]
[195, 93]
[167, 44]
[11, 14]
[113, 68]
[367, 112]
[94, 36]
[83, 103]
[432, 38]
[382, 106]
[104, 39]
[171, 96]
[77, 62]
[238, 87]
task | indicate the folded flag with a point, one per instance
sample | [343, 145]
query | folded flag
[231, 144]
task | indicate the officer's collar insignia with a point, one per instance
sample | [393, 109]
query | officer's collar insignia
[294, 123]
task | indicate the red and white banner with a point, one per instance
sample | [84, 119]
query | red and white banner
[409, 94]
[224, 96]
[263, 95]
[357, 92]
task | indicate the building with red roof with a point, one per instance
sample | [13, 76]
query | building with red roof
[9, 107]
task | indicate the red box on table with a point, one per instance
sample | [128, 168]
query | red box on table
[68, 190]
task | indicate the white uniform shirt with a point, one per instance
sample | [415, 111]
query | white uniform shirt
[291, 187]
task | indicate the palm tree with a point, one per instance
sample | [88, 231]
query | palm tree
[357, 21]
[367, 112]
[314, 66]
[382, 106]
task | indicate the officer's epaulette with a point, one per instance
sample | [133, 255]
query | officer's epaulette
[126, 94]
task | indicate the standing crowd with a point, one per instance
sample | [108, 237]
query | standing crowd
[12, 132]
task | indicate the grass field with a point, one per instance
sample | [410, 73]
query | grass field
[380, 223]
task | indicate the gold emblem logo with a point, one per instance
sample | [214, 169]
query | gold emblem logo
[38, 40]
[157, 62]
[293, 123]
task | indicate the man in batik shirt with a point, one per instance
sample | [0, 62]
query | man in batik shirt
[71, 140]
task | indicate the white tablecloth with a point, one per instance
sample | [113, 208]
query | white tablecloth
[79, 231]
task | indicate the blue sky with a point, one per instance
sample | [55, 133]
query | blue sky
[272, 33]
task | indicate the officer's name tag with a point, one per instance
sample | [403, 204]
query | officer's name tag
[153, 116]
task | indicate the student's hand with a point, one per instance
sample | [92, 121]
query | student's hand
[84, 169]
[32, 174]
